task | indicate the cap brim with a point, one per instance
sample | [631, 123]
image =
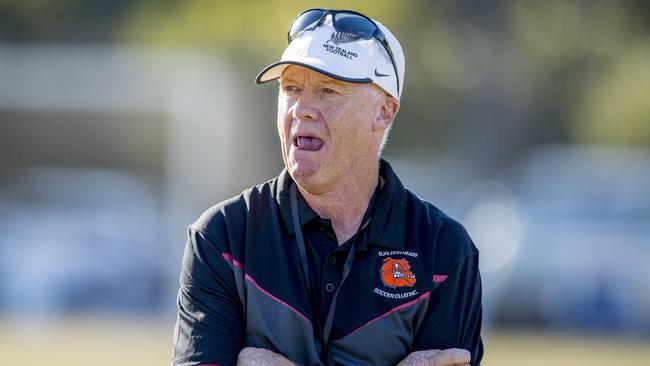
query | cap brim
[275, 70]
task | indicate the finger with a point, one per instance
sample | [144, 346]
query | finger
[453, 356]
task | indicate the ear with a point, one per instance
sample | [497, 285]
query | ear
[388, 107]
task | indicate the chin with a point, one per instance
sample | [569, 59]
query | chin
[308, 174]
[303, 171]
[310, 169]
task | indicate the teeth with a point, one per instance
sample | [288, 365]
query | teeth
[398, 274]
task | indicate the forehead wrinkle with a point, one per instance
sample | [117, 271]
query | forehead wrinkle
[329, 81]
[310, 75]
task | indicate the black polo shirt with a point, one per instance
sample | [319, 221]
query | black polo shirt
[326, 257]
[413, 282]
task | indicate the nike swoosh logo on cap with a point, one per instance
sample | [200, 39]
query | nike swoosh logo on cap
[379, 74]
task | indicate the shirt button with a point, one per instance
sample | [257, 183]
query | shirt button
[329, 287]
[331, 259]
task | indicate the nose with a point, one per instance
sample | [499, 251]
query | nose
[304, 108]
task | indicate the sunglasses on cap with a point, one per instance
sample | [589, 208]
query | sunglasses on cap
[346, 21]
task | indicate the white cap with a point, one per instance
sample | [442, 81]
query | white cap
[342, 56]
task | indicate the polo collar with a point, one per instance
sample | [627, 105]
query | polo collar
[388, 225]
[283, 200]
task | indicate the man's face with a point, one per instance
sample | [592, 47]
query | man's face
[328, 128]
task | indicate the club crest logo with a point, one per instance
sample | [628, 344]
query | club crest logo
[397, 273]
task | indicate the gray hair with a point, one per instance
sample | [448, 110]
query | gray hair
[384, 139]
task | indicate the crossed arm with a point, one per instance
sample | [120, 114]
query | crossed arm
[251, 356]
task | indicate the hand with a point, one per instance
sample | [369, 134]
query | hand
[251, 356]
[436, 357]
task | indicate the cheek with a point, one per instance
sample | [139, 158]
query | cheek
[354, 127]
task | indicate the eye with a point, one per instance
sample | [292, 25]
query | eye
[329, 91]
[289, 88]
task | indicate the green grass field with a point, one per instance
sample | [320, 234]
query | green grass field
[94, 342]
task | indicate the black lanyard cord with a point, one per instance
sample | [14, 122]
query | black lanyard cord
[327, 328]
[298, 232]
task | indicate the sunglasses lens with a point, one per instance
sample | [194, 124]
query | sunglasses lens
[356, 24]
[304, 21]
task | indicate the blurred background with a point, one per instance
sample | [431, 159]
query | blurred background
[122, 121]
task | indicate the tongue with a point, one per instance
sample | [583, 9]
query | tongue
[309, 143]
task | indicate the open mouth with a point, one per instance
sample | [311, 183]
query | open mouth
[308, 143]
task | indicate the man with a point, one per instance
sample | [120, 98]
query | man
[333, 261]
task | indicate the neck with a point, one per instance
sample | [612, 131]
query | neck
[346, 203]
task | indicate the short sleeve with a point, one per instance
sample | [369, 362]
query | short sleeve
[453, 319]
[210, 323]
